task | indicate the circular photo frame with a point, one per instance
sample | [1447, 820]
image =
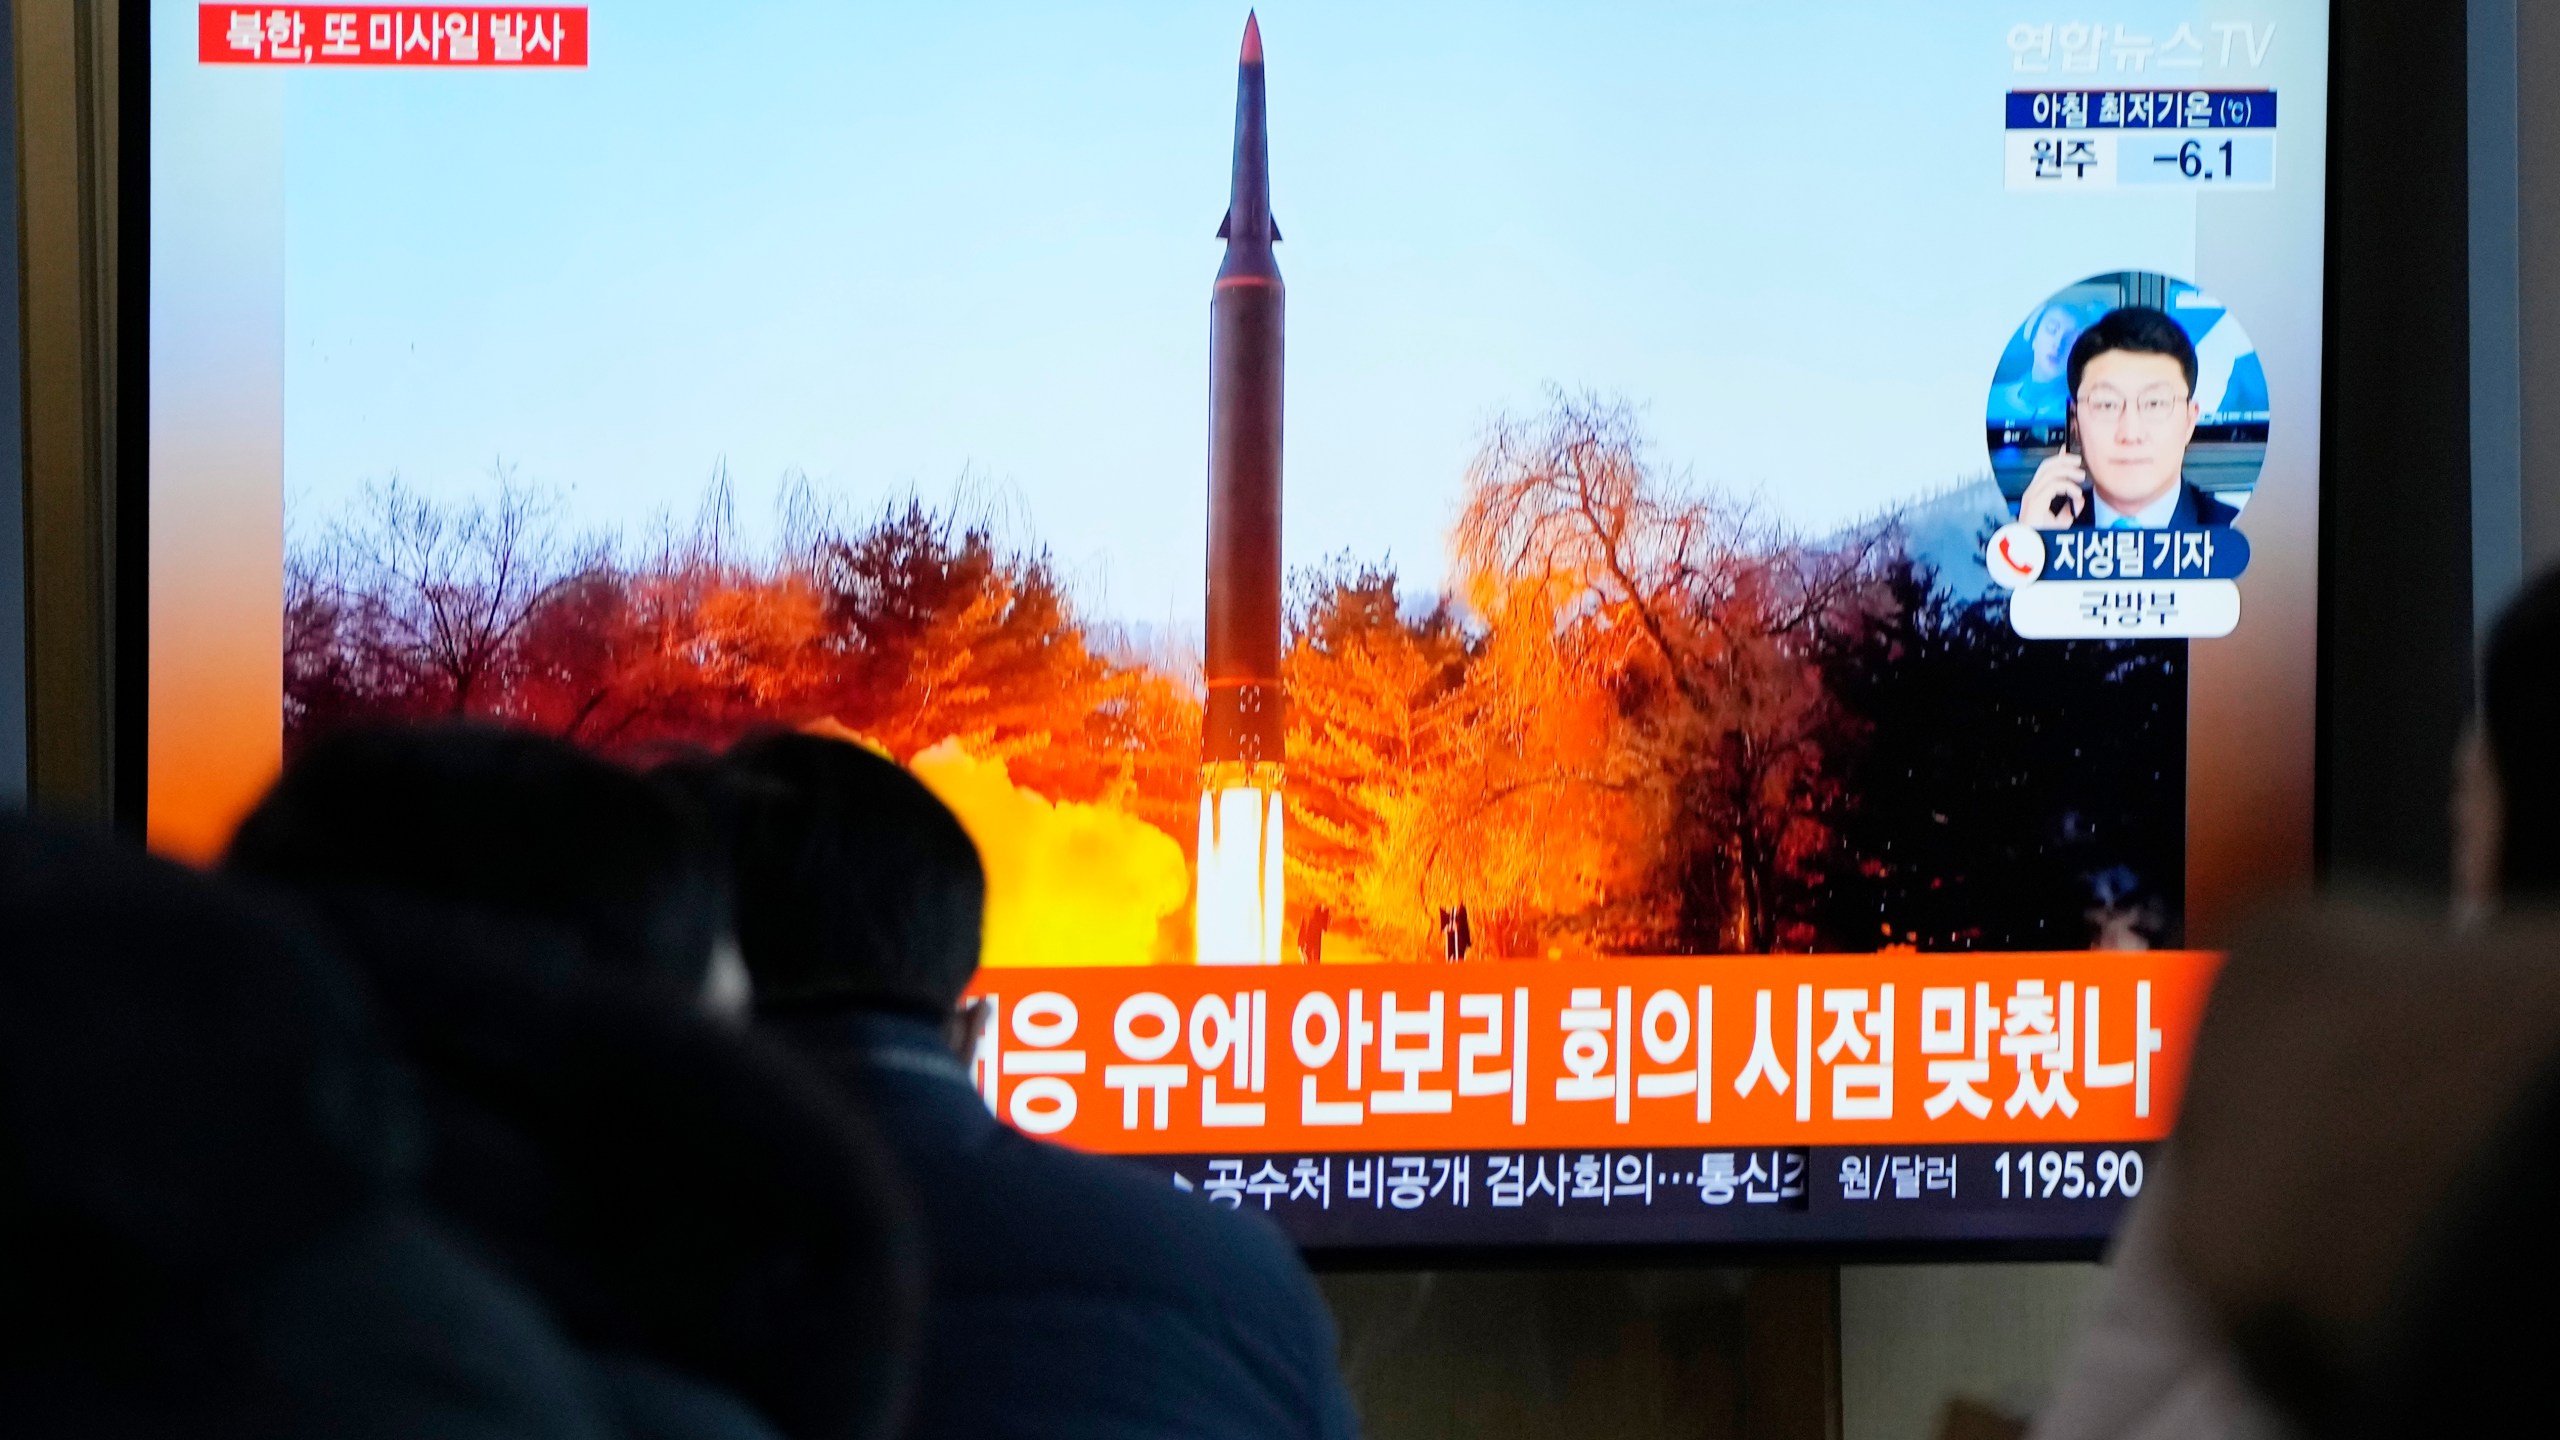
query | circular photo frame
[2127, 400]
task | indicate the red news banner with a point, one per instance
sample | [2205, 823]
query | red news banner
[503, 36]
[1789, 1050]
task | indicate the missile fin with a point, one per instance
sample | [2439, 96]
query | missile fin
[1225, 221]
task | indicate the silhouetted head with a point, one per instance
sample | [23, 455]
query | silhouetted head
[518, 827]
[854, 884]
[2507, 816]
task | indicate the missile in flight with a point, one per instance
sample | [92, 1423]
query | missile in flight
[1239, 902]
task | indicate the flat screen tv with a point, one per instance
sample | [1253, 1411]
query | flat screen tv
[1558, 624]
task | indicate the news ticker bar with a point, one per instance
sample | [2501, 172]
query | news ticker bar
[1784, 1051]
[503, 37]
[1674, 1195]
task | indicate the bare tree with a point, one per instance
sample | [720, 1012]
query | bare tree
[1568, 499]
[1687, 593]
[450, 585]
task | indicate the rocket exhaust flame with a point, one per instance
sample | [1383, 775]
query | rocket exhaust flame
[1239, 905]
[1238, 921]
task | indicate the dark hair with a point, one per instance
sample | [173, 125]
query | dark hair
[520, 827]
[2136, 329]
[855, 885]
[2520, 718]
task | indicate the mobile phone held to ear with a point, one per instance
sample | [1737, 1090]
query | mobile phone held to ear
[2071, 504]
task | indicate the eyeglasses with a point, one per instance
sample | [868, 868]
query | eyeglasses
[2152, 407]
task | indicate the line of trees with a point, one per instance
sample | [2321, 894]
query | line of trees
[1642, 718]
[1653, 722]
[911, 627]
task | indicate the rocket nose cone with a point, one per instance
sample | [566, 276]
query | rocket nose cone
[1252, 40]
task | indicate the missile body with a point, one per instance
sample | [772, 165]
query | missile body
[1246, 328]
[1238, 901]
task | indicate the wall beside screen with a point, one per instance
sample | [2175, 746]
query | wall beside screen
[13, 510]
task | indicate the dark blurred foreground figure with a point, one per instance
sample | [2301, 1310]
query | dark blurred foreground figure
[694, 1205]
[2507, 783]
[2366, 1157]
[2158, 1360]
[1069, 1296]
[2471, 1323]
[208, 1217]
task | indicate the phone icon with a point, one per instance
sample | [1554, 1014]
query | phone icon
[2015, 556]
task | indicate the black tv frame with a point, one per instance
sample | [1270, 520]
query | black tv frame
[2395, 624]
[129, 755]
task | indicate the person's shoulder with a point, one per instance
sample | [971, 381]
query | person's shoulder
[1066, 1219]
[2209, 510]
[1026, 1229]
[1115, 1185]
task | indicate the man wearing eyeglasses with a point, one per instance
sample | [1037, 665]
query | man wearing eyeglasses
[2133, 411]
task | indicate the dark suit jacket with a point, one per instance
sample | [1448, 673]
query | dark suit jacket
[2195, 511]
[1072, 1296]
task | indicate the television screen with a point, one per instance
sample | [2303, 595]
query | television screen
[1688, 656]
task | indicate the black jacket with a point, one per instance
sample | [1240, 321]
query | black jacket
[679, 1194]
[1070, 1296]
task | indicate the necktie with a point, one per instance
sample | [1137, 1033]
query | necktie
[2121, 523]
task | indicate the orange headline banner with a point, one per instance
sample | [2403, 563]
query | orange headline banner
[1719, 1050]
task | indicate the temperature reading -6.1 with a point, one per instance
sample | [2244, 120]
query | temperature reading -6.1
[2068, 1174]
[2237, 160]
[2196, 162]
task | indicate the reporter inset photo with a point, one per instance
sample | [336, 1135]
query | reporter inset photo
[2128, 401]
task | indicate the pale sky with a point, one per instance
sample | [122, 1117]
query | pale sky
[885, 244]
